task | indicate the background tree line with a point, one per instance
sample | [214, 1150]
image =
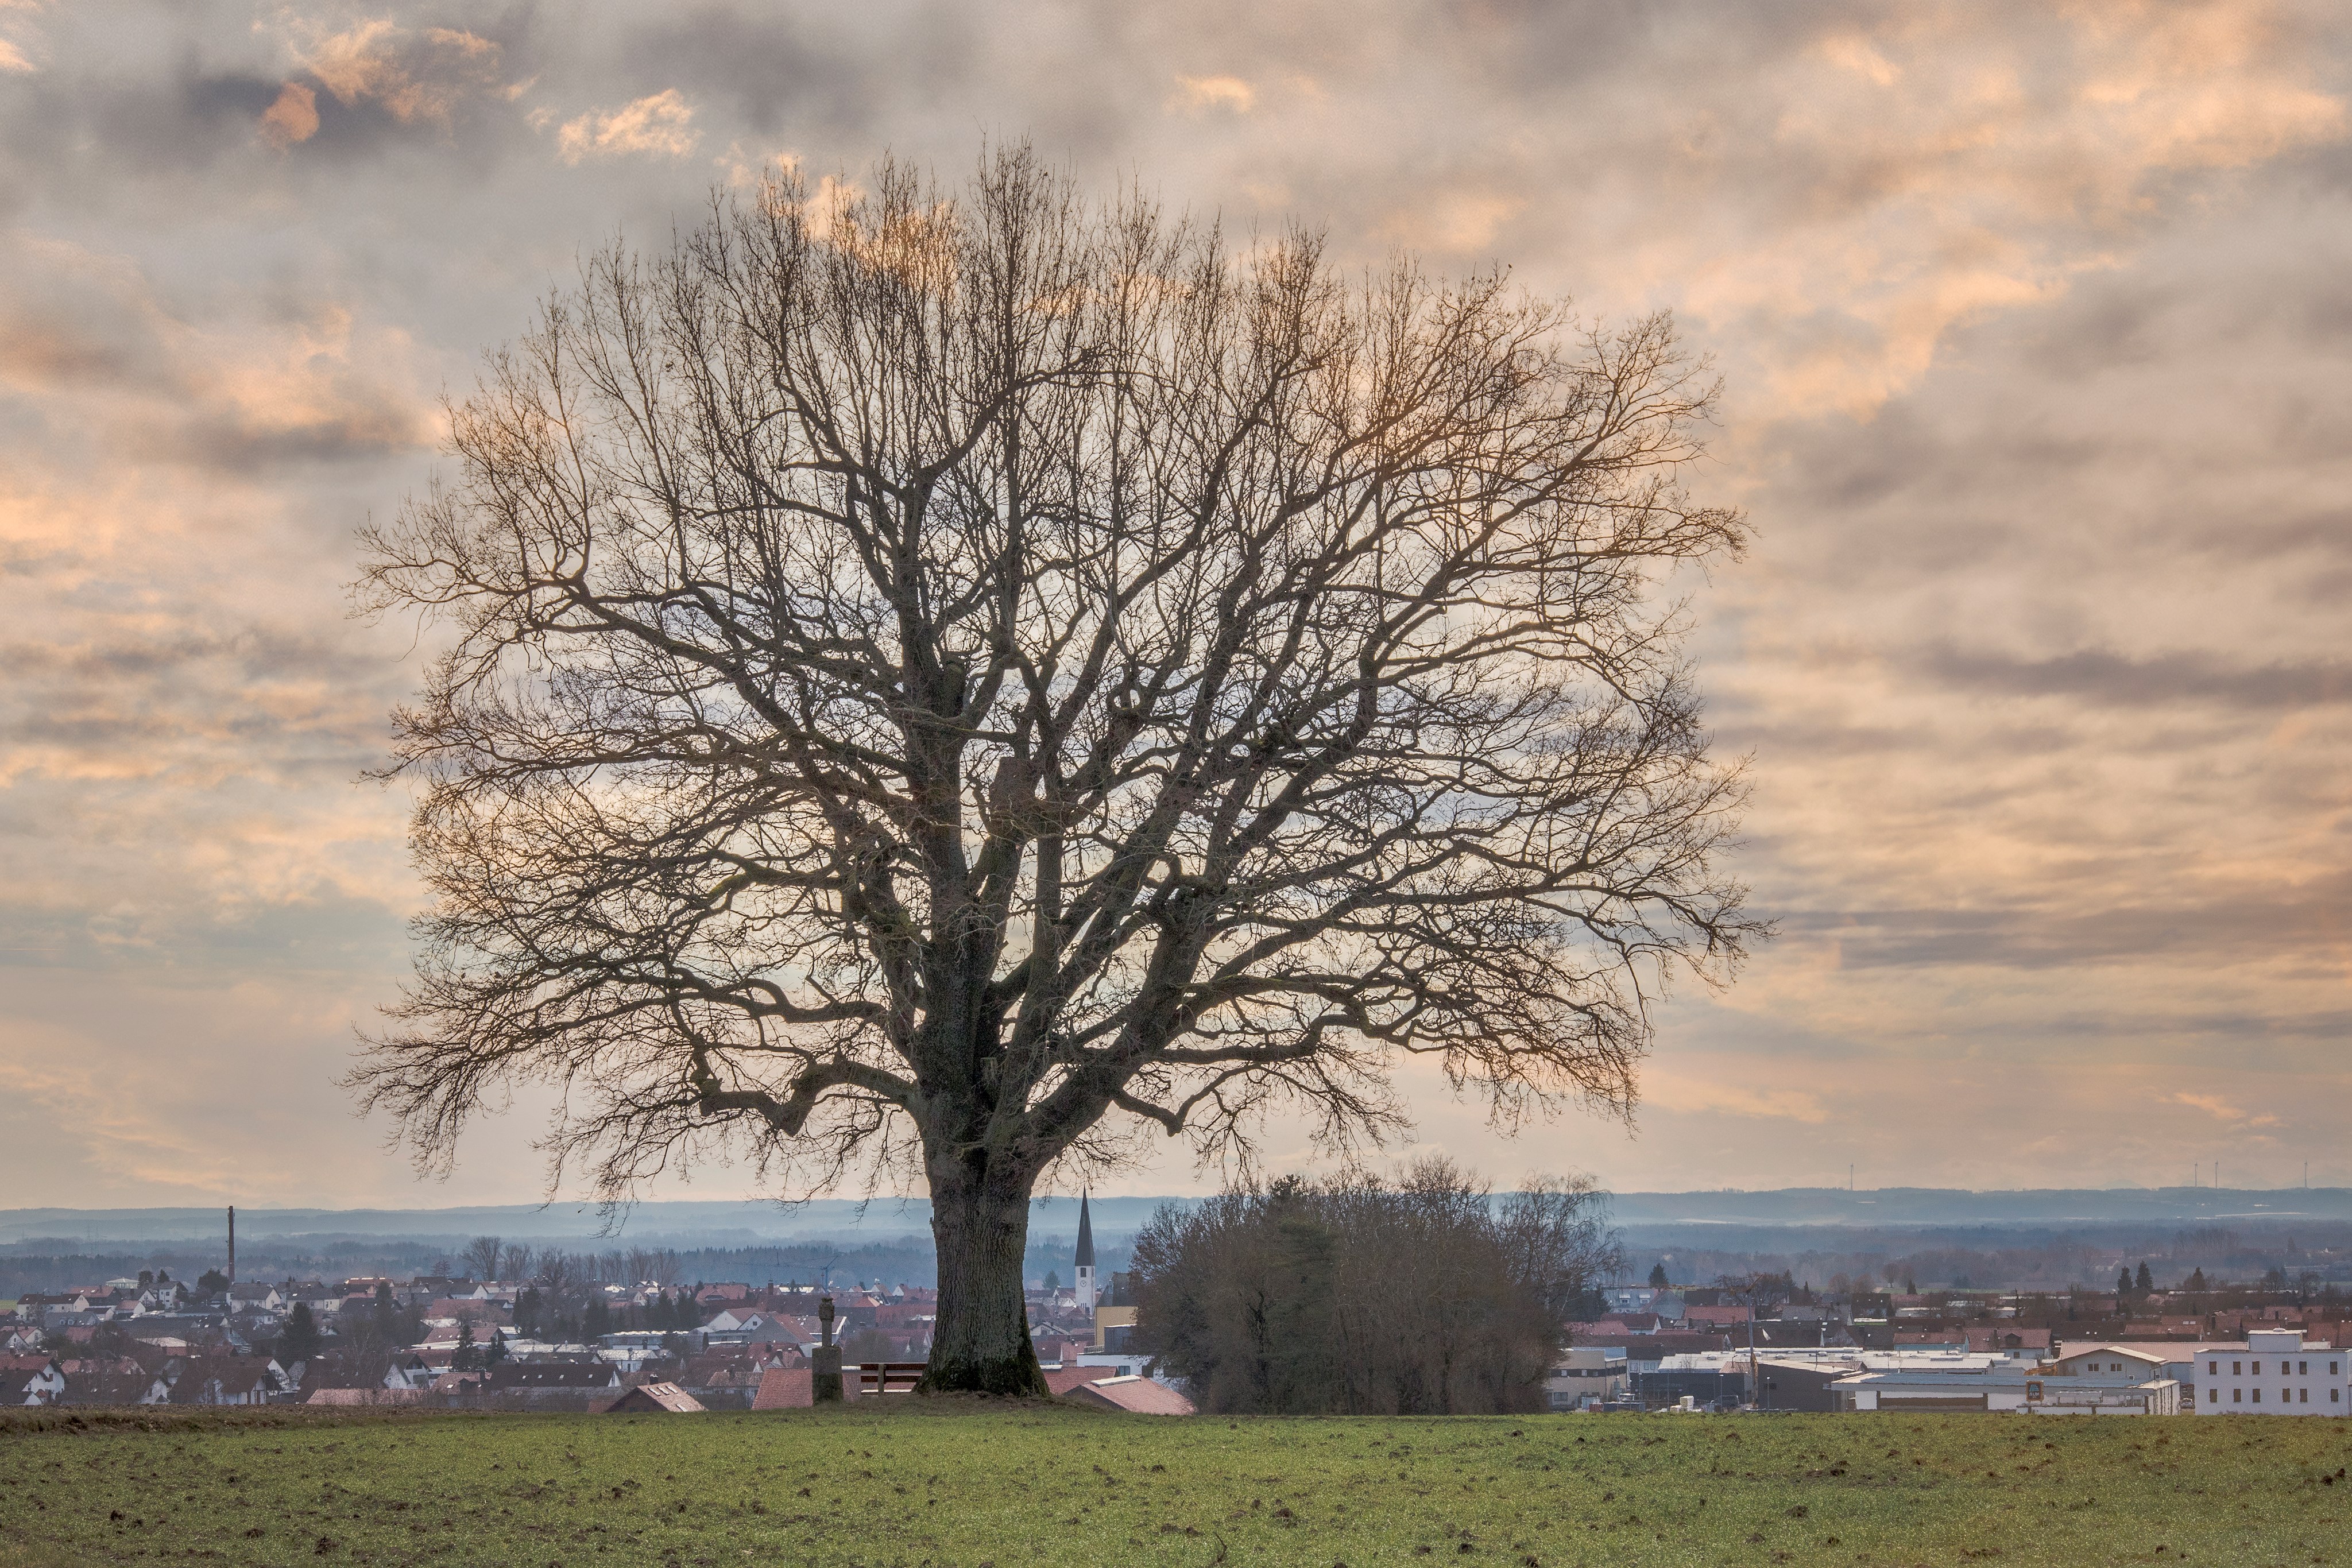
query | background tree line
[1358, 1295]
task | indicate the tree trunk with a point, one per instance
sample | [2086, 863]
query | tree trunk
[979, 1224]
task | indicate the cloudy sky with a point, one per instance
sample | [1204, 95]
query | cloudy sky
[2039, 353]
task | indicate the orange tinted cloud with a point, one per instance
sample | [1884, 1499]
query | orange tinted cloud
[660, 124]
[293, 118]
[412, 75]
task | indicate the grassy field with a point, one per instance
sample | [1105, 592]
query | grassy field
[1004, 1485]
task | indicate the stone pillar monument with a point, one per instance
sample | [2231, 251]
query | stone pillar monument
[824, 1376]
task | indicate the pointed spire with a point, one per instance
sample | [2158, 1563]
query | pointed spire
[1086, 1234]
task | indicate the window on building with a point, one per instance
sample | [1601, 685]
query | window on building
[2300, 1367]
[2335, 1397]
[2237, 1396]
[2236, 1369]
[2213, 1366]
[2303, 1396]
[2258, 1396]
[2212, 1396]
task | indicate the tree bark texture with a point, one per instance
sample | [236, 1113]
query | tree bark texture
[980, 1225]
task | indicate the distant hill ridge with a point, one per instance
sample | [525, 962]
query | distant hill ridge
[743, 1222]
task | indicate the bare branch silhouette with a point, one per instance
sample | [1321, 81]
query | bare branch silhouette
[966, 679]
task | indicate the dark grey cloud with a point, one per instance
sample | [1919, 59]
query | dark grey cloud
[837, 72]
[2110, 679]
[2231, 926]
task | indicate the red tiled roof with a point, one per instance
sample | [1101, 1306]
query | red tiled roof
[792, 1388]
[1715, 1314]
[1137, 1395]
[665, 1396]
[1062, 1379]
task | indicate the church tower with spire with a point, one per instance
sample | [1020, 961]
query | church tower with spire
[1086, 1285]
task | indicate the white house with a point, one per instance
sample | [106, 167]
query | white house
[2105, 1380]
[2272, 1374]
[740, 1326]
[41, 1387]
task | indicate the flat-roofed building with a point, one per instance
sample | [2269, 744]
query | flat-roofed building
[2274, 1372]
[1586, 1375]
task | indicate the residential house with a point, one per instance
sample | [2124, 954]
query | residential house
[570, 1374]
[124, 1382]
[655, 1398]
[2104, 1379]
[1720, 1317]
[36, 1379]
[730, 1379]
[1062, 1379]
[743, 1325]
[17, 1388]
[1667, 1304]
[394, 1370]
[1136, 1396]
[247, 1296]
[229, 1380]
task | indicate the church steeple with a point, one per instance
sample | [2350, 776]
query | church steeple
[1085, 1290]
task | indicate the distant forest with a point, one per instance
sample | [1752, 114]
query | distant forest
[1987, 1257]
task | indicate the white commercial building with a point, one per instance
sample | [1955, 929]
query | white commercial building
[2272, 1374]
[1586, 1376]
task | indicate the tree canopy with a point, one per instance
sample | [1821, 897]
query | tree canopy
[957, 679]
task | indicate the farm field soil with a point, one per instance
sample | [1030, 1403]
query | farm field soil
[914, 1482]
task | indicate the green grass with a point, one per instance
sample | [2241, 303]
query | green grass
[913, 1483]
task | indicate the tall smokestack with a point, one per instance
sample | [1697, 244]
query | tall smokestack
[232, 1244]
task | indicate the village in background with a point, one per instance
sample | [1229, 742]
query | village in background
[1724, 1302]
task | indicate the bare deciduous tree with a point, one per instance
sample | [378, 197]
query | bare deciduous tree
[482, 1254]
[517, 1265]
[957, 680]
[563, 1278]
